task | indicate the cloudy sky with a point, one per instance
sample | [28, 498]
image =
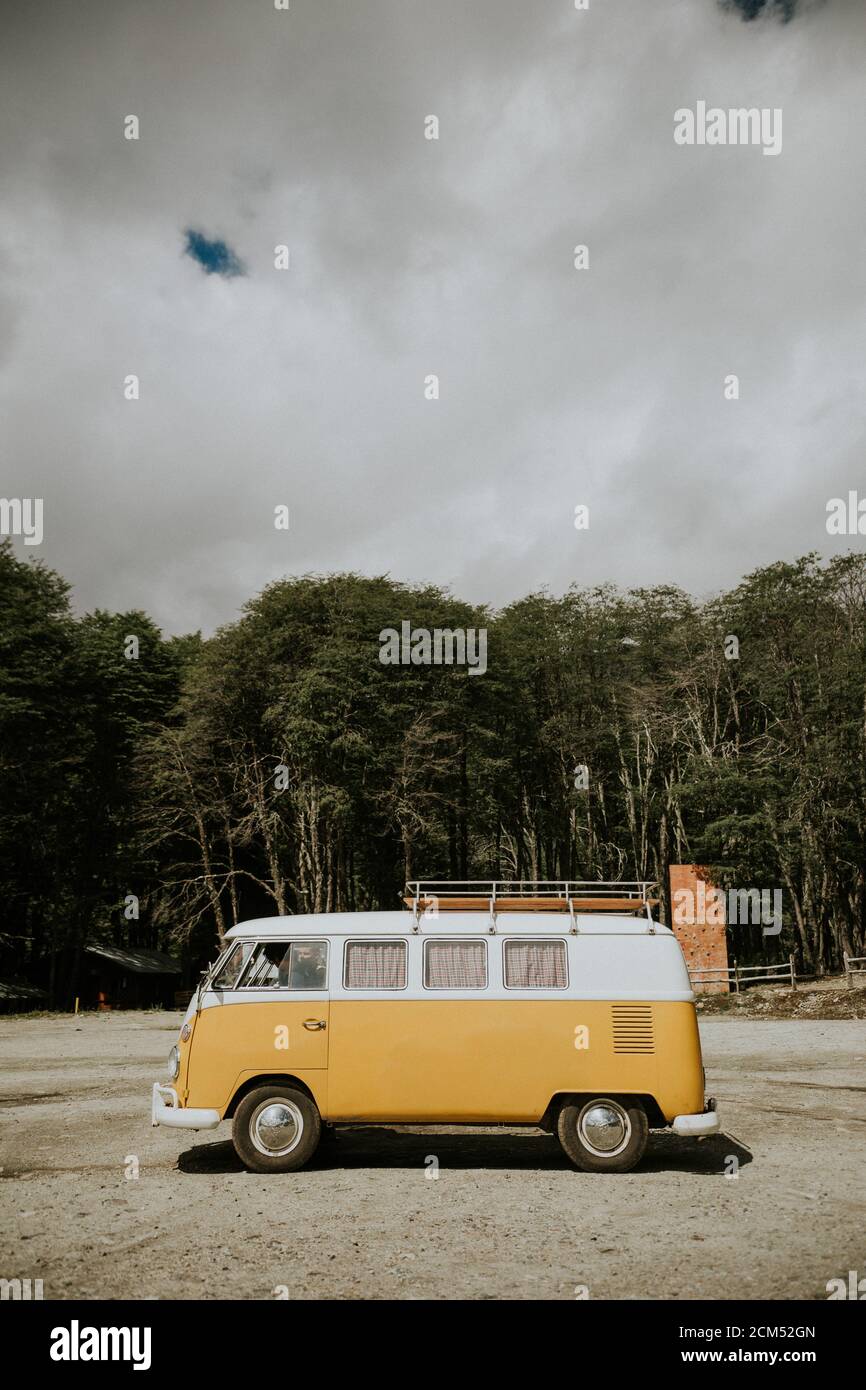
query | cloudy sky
[408, 256]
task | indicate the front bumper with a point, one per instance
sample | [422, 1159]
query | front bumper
[165, 1110]
[707, 1123]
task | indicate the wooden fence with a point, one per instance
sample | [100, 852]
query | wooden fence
[854, 965]
[738, 976]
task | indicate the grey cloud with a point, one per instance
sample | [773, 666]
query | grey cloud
[411, 257]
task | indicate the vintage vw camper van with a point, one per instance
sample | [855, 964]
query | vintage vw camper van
[560, 1005]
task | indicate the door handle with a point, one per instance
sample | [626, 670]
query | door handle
[314, 1024]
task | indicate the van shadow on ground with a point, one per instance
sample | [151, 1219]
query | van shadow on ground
[381, 1146]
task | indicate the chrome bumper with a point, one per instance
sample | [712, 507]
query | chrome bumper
[165, 1110]
[707, 1123]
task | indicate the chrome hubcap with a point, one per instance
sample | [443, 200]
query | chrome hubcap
[276, 1127]
[604, 1127]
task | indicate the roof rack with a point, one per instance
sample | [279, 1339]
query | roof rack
[432, 896]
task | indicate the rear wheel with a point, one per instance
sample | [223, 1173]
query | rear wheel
[603, 1135]
[276, 1129]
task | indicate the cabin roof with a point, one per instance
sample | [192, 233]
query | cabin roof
[16, 989]
[139, 962]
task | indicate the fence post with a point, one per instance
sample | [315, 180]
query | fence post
[736, 977]
[793, 976]
[848, 976]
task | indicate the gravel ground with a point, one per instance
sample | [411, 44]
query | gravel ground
[822, 999]
[506, 1218]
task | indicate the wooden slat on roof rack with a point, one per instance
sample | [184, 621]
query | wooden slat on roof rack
[529, 903]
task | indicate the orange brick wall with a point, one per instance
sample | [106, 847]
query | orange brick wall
[704, 944]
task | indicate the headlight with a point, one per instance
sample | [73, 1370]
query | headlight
[173, 1063]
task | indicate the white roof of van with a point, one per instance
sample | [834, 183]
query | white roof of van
[448, 923]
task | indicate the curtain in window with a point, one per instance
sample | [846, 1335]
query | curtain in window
[455, 965]
[535, 964]
[376, 965]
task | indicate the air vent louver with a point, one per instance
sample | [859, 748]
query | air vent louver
[633, 1028]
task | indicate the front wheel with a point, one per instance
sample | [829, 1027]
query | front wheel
[276, 1129]
[603, 1135]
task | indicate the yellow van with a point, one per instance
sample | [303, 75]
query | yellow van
[559, 1005]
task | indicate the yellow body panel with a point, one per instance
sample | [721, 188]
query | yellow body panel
[233, 1042]
[443, 1060]
[498, 1060]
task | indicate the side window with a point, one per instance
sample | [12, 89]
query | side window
[455, 964]
[287, 965]
[231, 969]
[375, 965]
[307, 966]
[535, 965]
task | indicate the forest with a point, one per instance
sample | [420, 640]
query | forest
[156, 790]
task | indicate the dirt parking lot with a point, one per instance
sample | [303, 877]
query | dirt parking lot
[507, 1216]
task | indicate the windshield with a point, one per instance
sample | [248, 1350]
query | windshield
[228, 970]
